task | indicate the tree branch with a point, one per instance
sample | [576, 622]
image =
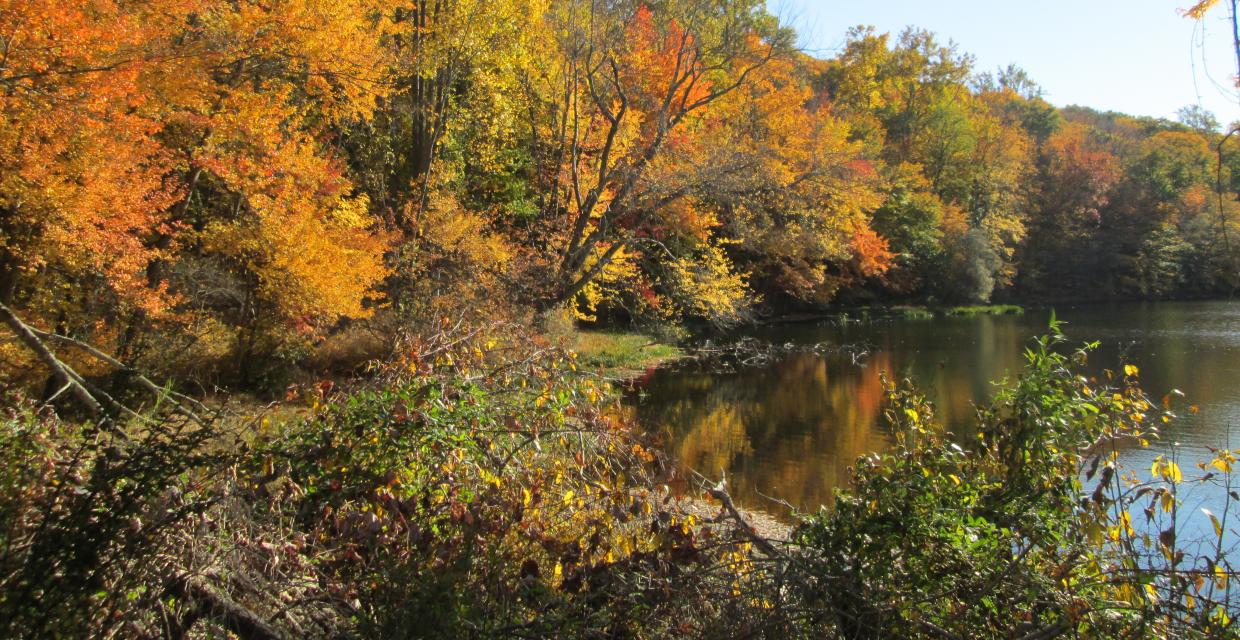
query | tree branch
[206, 601]
[67, 376]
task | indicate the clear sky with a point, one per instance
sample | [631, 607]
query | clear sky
[1134, 56]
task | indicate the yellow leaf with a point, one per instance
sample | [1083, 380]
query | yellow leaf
[1173, 472]
[1198, 10]
[1131, 370]
[1218, 526]
[1166, 469]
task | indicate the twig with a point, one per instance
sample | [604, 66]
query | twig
[206, 601]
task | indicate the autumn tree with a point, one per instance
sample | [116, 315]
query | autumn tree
[957, 157]
[83, 172]
[173, 160]
[1075, 180]
[797, 210]
[455, 69]
[632, 83]
[213, 185]
[1166, 175]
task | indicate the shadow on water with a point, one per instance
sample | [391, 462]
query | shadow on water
[792, 427]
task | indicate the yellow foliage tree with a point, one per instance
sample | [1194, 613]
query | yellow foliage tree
[137, 136]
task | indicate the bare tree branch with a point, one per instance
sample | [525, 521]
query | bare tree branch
[66, 375]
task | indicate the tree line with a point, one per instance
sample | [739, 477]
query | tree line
[212, 187]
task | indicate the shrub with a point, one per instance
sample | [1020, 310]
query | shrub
[475, 487]
[86, 512]
[481, 486]
[995, 535]
[482, 491]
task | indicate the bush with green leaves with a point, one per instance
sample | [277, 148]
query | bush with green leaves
[1006, 532]
[87, 512]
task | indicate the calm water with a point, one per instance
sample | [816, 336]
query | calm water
[792, 428]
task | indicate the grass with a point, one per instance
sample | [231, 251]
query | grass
[622, 354]
[988, 309]
[913, 313]
[967, 311]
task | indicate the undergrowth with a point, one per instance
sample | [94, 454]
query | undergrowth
[482, 486]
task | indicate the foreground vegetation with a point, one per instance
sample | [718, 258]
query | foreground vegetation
[480, 487]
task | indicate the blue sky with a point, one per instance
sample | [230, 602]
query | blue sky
[1134, 56]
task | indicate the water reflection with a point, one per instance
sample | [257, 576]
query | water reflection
[791, 429]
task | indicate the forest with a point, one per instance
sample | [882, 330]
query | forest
[376, 215]
[232, 183]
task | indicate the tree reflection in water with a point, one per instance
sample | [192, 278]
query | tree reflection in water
[790, 430]
[792, 427]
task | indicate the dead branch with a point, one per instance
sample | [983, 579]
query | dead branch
[719, 493]
[179, 400]
[63, 373]
[207, 602]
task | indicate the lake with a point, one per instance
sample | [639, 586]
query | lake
[791, 428]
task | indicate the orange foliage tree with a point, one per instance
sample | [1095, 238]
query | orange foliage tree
[686, 137]
[142, 142]
[629, 89]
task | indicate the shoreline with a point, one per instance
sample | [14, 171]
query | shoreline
[621, 355]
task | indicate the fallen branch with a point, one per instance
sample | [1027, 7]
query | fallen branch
[72, 381]
[719, 493]
[205, 601]
[63, 373]
[179, 400]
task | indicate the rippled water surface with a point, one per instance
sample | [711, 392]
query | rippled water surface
[791, 429]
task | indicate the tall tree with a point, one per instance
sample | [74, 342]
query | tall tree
[637, 79]
[1075, 180]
